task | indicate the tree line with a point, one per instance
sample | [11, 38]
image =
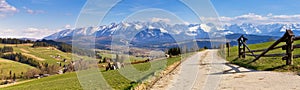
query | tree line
[14, 41]
[6, 49]
[18, 57]
[64, 47]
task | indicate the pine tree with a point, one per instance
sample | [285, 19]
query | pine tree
[14, 77]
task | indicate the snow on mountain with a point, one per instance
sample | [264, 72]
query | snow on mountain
[267, 29]
[205, 27]
[77, 32]
[129, 28]
[183, 30]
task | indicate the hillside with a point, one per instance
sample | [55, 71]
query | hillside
[48, 55]
[70, 81]
[7, 65]
[265, 63]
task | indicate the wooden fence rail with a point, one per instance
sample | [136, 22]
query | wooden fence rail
[288, 38]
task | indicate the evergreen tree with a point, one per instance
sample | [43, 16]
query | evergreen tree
[14, 77]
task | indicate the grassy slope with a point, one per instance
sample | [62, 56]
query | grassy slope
[265, 63]
[69, 80]
[15, 67]
[65, 81]
[45, 53]
[132, 58]
[40, 52]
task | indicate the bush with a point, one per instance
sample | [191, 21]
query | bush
[18, 57]
[174, 51]
[49, 69]
[30, 73]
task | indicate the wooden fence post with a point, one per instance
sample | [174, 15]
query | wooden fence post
[244, 47]
[239, 47]
[228, 48]
[289, 47]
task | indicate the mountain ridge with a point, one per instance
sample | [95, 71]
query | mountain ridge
[156, 33]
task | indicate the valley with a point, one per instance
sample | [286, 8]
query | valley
[57, 60]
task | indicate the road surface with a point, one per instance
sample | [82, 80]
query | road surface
[207, 71]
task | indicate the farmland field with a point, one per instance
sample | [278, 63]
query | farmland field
[70, 81]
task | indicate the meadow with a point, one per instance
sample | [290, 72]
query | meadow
[15, 67]
[48, 55]
[113, 77]
[69, 80]
[265, 63]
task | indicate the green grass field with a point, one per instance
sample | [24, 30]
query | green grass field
[69, 81]
[42, 54]
[48, 54]
[7, 65]
[66, 81]
[265, 63]
[113, 77]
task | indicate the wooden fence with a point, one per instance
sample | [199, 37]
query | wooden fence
[288, 38]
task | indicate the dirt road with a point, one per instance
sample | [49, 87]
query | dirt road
[207, 71]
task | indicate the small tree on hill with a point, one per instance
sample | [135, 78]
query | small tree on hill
[174, 51]
[14, 77]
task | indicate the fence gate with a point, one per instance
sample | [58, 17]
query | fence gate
[288, 38]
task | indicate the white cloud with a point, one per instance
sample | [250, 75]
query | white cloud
[6, 32]
[255, 19]
[6, 9]
[30, 11]
[68, 26]
[160, 20]
[37, 33]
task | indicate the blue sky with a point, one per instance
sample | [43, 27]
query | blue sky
[39, 18]
[233, 8]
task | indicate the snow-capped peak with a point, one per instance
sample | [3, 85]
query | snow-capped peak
[177, 29]
[205, 27]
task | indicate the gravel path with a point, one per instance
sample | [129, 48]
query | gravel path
[207, 71]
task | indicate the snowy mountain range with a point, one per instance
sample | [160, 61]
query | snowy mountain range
[156, 33]
[152, 30]
[160, 28]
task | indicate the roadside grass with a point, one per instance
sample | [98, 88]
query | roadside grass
[265, 63]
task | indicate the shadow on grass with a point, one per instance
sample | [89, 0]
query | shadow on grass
[255, 66]
[243, 63]
[275, 68]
